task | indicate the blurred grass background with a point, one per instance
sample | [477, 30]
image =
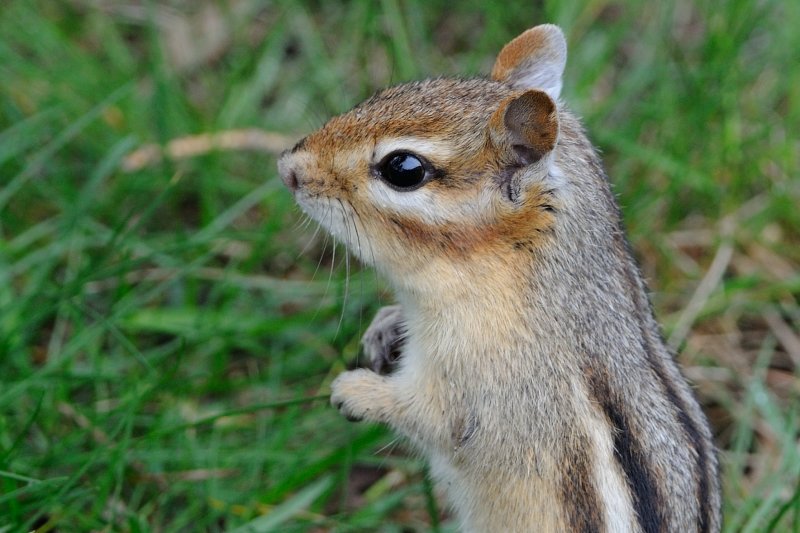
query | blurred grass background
[168, 324]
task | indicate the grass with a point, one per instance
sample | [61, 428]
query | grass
[169, 327]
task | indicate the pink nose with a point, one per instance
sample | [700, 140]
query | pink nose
[288, 172]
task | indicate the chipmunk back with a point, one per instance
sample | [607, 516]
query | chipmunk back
[532, 373]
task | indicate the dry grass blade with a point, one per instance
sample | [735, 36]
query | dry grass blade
[701, 295]
[196, 145]
[785, 335]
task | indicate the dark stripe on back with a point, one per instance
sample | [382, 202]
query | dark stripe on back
[643, 307]
[647, 500]
[692, 433]
[578, 491]
[697, 442]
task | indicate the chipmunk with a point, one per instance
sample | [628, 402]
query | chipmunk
[531, 372]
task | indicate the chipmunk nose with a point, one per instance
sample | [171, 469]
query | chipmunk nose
[287, 168]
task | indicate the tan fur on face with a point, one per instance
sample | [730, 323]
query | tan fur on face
[523, 227]
[338, 162]
[418, 109]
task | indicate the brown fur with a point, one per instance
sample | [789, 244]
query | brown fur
[532, 120]
[531, 43]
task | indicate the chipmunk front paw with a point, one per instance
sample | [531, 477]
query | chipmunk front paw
[384, 339]
[361, 395]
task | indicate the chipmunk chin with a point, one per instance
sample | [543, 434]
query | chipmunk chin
[341, 221]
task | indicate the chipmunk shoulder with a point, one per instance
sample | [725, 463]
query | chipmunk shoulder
[531, 371]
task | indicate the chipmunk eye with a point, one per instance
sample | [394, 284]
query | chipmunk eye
[403, 170]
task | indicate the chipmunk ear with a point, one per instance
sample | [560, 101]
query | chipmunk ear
[529, 123]
[534, 60]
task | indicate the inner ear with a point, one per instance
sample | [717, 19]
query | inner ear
[531, 121]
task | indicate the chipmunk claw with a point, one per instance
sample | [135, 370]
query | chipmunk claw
[339, 406]
[384, 339]
[353, 418]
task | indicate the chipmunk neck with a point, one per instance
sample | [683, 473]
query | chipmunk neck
[465, 300]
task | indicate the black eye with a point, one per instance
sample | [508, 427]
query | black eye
[403, 170]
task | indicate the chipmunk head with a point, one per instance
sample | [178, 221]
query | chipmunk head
[443, 169]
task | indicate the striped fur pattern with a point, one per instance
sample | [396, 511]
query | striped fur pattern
[533, 375]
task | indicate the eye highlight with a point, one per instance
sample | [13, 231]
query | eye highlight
[404, 171]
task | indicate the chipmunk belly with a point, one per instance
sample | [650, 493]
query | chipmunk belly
[562, 496]
[492, 501]
[539, 458]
